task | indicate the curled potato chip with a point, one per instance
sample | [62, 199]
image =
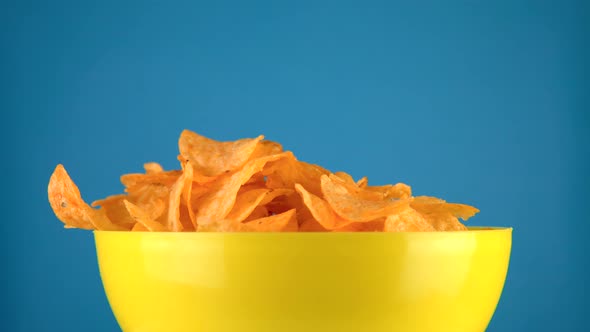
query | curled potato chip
[69, 207]
[141, 217]
[408, 220]
[353, 206]
[217, 203]
[212, 158]
[321, 210]
[284, 222]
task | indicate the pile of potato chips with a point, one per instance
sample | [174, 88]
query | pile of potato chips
[250, 185]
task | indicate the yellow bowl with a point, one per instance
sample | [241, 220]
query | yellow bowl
[257, 282]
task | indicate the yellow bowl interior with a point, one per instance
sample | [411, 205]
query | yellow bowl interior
[256, 282]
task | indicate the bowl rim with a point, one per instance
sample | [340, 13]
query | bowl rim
[470, 230]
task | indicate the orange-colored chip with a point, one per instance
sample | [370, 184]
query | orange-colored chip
[212, 158]
[245, 204]
[266, 148]
[153, 168]
[284, 222]
[311, 225]
[285, 173]
[321, 210]
[139, 228]
[258, 212]
[408, 220]
[69, 207]
[363, 182]
[163, 178]
[115, 210]
[346, 177]
[432, 205]
[186, 179]
[353, 207]
[217, 203]
[142, 218]
[369, 226]
[151, 198]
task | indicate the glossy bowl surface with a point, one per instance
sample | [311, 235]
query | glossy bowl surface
[258, 282]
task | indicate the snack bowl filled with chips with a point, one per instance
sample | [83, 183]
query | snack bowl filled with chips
[369, 281]
[246, 237]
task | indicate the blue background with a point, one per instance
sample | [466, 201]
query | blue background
[477, 102]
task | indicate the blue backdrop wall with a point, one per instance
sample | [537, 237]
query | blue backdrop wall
[478, 102]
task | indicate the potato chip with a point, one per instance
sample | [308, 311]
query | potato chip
[286, 172]
[321, 210]
[115, 209]
[212, 158]
[266, 148]
[164, 178]
[432, 205]
[151, 198]
[284, 222]
[259, 212]
[186, 179]
[142, 218]
[311, 225]
[153, 168]
[408, 220]
[217, 203]
[245, 204]
[354, 207]
[369, 226]
[363, 182]
[69, 207]
[346, 177]
[251, 185]
[139, 228]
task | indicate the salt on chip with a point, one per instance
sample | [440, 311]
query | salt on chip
[353, 207]
[141, 217]
[212, 158]
[69, 207]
